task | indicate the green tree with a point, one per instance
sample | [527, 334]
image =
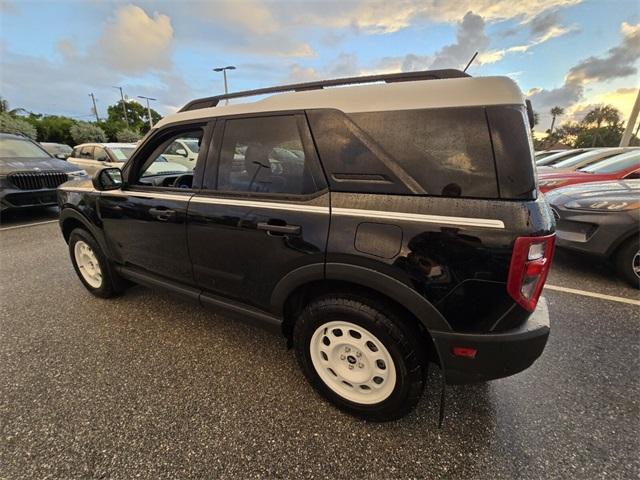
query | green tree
[83, 132]
[136, 113]
[127, 135]
[11, 124]
[602, 136]
[555, 112]
[53, 128]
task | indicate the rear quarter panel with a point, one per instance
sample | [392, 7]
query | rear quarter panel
[459, 267]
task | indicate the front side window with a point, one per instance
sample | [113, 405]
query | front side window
[265, 155]
[164, 168]
[100, 155]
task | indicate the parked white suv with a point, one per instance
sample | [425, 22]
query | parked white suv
[96, 156]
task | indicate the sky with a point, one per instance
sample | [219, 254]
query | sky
[569, 53]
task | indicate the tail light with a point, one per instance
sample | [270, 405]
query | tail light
[530, 263]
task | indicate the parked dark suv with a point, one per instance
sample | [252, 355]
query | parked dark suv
[29, 175]
[379, 227]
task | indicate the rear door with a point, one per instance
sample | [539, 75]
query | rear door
[263, 210]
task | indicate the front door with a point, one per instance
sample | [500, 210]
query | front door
[145, 221]
[264, 214]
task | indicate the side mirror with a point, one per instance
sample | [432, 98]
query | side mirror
[107, 179]
[61, 156]
[182, 152]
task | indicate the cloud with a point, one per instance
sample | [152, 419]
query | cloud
[470, 37]
[617, 62]
[133, 42]
[382, 16]
[130, 44]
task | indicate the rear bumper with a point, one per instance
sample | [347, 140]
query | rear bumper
[498, 355]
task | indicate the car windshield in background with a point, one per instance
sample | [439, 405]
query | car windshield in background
[621, 162]
[556, 157]
[193, 145]
[590, 157]
[122, 153]
[19, 148]
[55, 149]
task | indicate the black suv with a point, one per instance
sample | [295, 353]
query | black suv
[379, 227]
[29, 176]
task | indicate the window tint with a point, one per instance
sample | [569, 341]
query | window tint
[265, 155]
[446, 151]
[100, 154]
[435, 152]
[165, 162]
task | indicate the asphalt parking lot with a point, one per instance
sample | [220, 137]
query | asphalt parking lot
[150, 386]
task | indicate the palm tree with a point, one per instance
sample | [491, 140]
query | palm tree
[555, 112]
[602, 114]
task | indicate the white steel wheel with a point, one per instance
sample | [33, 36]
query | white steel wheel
[352, 362]
[88, 264]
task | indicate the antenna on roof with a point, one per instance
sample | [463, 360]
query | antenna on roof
[470, 61]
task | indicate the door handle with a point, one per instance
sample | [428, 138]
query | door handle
[284, 229]
[162, 213]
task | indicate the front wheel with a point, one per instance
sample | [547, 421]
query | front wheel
[92, 266]
[628, 261]
[361, 356]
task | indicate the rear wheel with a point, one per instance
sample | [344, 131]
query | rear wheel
[92, 266]
[359, 355]
[628, 261]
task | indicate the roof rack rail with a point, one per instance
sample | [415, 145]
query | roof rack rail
[319, 85]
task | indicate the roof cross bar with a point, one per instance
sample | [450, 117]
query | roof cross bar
[319, 85]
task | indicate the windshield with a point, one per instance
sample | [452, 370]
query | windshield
[611, 165]
[586, 159]
[122, 153]
[54, 148]
[192, 145]
[556, 157]
[20, 148]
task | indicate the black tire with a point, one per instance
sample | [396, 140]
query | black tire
[402, 340]
[627, 256]
[112, 284]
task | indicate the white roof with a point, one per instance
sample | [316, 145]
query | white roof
[450, 92]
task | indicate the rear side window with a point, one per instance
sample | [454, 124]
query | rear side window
[86, 152]
[265, 155]
[447, 151]
[443, 152]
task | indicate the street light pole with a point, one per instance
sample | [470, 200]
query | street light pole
[224, 74]
[124, 107]
[148, 108]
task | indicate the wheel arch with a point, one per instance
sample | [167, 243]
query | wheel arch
[300, 286]
[71, 219]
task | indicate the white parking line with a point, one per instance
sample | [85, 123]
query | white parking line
[28, 225]
[593, 294]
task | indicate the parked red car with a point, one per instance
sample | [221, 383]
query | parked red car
[626, 165]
